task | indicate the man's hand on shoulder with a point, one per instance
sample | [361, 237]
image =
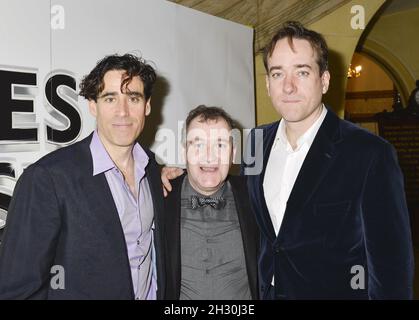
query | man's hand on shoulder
[167, 174]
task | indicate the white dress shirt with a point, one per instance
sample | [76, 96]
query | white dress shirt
[283, 167]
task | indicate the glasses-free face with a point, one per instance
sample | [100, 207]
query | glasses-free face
[120, 116]
[294, 82]
[209, 154]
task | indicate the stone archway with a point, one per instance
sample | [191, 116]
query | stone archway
[393, 66]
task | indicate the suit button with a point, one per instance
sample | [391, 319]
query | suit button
[278, 249]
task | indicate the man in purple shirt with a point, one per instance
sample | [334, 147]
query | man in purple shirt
[84, 221]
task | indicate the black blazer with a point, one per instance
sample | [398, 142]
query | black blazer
[248, 226]
[61, 214]
[347, 208]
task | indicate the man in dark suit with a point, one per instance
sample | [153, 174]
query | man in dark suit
[84, 221]
[211, 233]
[328, 196]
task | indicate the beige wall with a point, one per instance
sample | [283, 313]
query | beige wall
[265, 113]
[342, 40]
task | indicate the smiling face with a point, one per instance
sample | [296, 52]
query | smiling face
[294, 82]
[120, 116]
[209, 154]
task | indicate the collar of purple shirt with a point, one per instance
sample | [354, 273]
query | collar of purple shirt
[102, 162]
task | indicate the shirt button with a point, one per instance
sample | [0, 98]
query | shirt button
[207, 271]
[138, 242]
[139, 267]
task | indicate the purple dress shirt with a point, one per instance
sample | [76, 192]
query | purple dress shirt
[135, 214]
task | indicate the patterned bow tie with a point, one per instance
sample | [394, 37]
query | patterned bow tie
[198, 202]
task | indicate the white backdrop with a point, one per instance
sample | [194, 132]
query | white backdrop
[200, 59]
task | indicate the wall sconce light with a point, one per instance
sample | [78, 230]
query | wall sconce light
[354, 72]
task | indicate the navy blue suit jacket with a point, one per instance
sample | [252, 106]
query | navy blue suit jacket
[61, 214]
[347, 210]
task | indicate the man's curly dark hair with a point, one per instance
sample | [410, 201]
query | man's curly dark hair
[92, 84]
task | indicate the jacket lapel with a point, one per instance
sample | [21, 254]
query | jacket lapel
[101, 204]
[266, 223]
[102, 208]
[173, 239]
[153, 178]
[319, 159]
[249, 231]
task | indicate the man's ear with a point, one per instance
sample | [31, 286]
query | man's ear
[325, 81]
[267, 84]
[93, 108]
[148, 107]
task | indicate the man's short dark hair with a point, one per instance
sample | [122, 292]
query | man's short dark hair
[204, 113]
[295, 30]
[92, 84]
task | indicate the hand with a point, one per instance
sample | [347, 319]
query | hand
[167, 174]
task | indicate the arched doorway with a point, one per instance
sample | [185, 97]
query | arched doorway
[370, 89]
[388, 57]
